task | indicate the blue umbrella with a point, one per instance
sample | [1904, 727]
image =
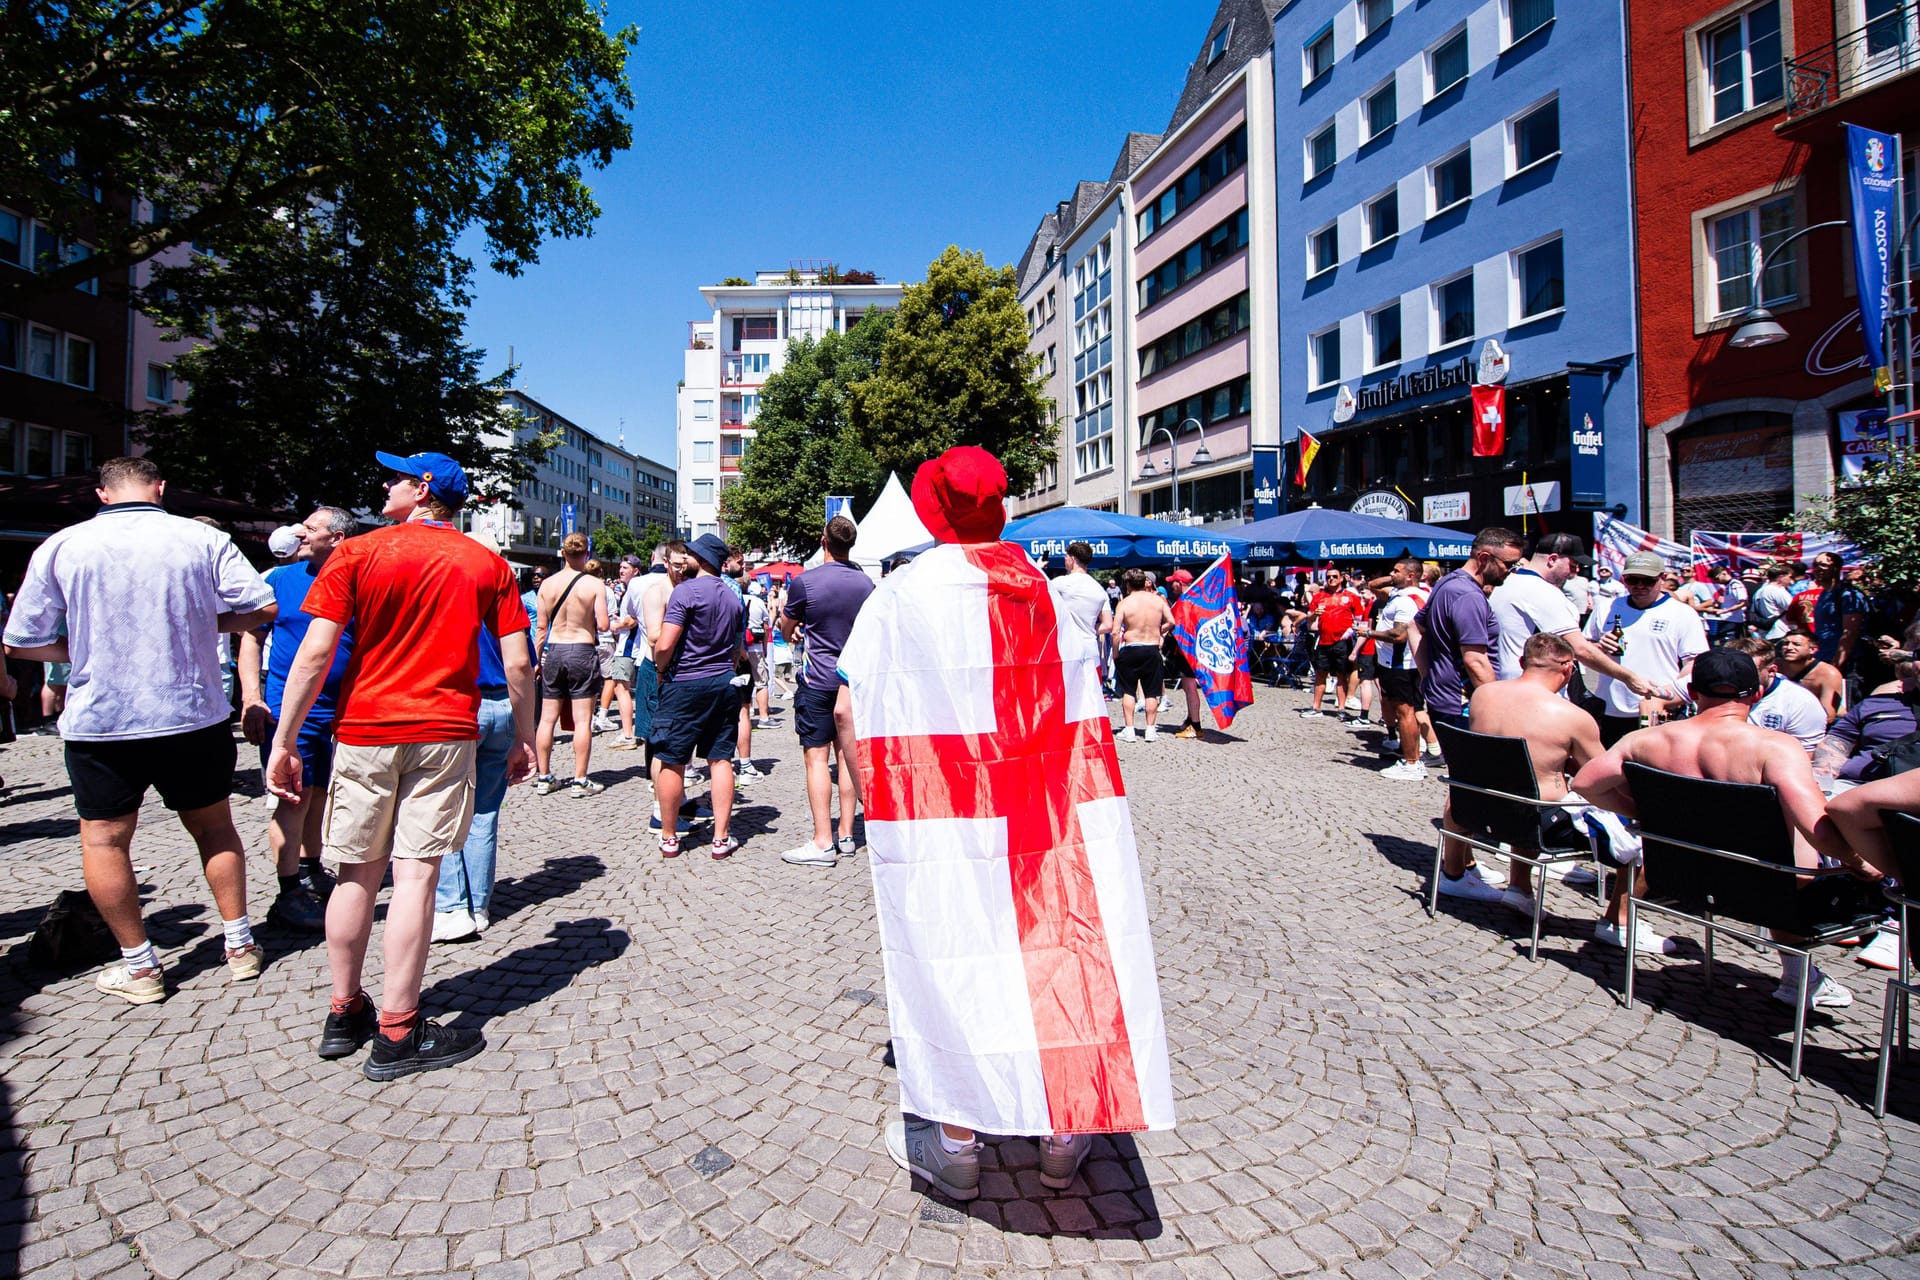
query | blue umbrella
[1158, 541]
[1118, 539]
[1319, 533]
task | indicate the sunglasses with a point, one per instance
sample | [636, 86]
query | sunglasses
[1640, 582]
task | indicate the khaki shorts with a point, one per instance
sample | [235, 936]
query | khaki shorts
[409, 800]
[757, 665]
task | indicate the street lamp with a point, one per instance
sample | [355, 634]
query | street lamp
[1200, 456]
[1758, 328]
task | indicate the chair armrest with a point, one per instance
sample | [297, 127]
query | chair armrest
[1507, 795]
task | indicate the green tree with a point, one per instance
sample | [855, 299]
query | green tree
[327, 350]
[616, 538]
[1880, 514]
[806, 444]
[956, 370]
[412, 119]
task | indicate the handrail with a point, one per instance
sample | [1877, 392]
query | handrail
[1849, 63]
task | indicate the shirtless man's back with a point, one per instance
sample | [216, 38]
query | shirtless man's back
[1560, 736]
[572, 614]
[1141, 621]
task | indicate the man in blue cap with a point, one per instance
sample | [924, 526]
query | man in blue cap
[417, 593]
[699, 653]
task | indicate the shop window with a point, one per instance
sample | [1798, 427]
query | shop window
[1733, 473]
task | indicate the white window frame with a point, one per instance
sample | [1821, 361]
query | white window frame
[1708, 312]
[1516, 286]
[1316, 374]
[27, 361]
[1510, 37]
[1325, 131]
[1514, 167]
[703, 451]
[703, 410]
[1703, 33]
[1307, 74]
[1388, 87]
[1366, 219]
[1362, 30]
[710, 490]
[1433, 87]
[1221, 42]
[1434, 207]
[1437, 313]
[25, 234]
[165, 373]
[26, 451]
[1372, 345]
[60, 439]
[1314, 269]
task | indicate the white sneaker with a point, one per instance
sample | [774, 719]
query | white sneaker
[1579, 876]
[1353, 703]
[1152, 734]
[604, 723]
[1646, 941]
[811, 855]
[1827, 994]
[1310, 713]
[1126, 735]
[451, 926]
[1401, 771]
[1519, 899]
[1884, 951]
[1469, 886]
[480, 922]
[747, 771]
[1166, 705]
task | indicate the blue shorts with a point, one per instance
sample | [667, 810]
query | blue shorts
[646, 699]
[696, 718]
[315, 745]
[813, 714]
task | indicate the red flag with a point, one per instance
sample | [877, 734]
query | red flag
[1489, 421]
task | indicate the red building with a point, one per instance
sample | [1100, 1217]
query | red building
[1737, 111]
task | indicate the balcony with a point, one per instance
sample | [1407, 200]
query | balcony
[1864, 68]
[729, 463]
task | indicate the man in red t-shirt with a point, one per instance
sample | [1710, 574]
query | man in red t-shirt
[1332, 611]
[417, 593]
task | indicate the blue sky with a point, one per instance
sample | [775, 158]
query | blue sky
[873, 135]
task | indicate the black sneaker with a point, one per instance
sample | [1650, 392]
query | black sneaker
[428, 1047]
[316, 880]
[344, 1033]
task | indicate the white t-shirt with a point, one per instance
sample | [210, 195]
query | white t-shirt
[1733, 601]
[1079, 596]
[1790, 708]
[1402, 608]
[1579, 593]
[1524, 604]
[141, 593]
[1656, 643]
[1608, 589]
[1769, 605]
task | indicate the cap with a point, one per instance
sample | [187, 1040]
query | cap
[1644, 564]
[1725, 673]
[445, 480]
[285, 541]
[711, 551]
[633, 560]
[1180, 576]
[1567, 545]
[961, 495]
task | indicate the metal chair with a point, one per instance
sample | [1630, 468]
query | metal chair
[1686, 825]
[1494, 799]
[1903, 833]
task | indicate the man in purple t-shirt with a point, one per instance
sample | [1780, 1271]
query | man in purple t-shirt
[698, 653]
[825, 600]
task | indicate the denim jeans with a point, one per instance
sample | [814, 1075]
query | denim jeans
[466, 879]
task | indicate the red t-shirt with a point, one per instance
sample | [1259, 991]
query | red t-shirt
[416, 595]
[1336, 622]
[1799, 613]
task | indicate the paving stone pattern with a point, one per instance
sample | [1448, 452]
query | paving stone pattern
[685, 1077]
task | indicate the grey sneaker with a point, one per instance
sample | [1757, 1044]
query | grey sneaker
[1061, 1158]
[915, 1146]
[847, 846]
[585, 787]
[543, 784]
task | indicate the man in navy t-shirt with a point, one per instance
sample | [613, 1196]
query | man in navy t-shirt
[699, 652]
[295, 831]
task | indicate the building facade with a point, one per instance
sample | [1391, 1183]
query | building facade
[1738, 150]
[1438, 204]
[729, 357]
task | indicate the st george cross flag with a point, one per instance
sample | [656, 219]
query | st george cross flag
[1207, 627]
[1013, 926]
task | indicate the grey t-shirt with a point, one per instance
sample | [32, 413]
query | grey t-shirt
[825, 600]
[709, 613]
[1457, 614]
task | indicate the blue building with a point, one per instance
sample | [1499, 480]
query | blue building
[1453, 184]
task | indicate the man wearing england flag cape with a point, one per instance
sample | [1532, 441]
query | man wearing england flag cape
[1020, 975]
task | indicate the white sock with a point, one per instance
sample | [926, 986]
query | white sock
[952, 1146]
[239, 932]
[140, 957]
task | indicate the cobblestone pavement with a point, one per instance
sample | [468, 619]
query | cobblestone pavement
[684, 1073]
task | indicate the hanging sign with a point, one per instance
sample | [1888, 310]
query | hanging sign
[1381, 502]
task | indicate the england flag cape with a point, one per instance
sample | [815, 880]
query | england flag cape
[1020, 974]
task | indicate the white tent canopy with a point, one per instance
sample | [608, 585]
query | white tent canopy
[889, 528]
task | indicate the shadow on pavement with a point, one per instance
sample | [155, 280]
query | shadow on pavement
[1111, 1197]
[529, 975]
[25, 797]
[559, 877]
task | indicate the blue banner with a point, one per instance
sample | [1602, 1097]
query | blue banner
[1873, 168]
[1266, 482]
[838, 505]
[568, 515]
[1587, 418]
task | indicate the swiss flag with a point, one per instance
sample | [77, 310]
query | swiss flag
[1489, 421]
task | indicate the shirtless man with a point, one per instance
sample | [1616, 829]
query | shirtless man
[1799, 661]
[1719, 743]
[1143, 622]
[672, 565]
[566, 636]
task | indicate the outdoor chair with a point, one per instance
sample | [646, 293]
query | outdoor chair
[1294, 661]
[1720, 855]
[1495, 800]
[1903, 833]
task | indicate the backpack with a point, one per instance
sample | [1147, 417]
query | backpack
[1896, 757]
[71, 936]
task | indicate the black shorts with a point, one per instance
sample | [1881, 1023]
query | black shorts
[1332, 659]
[1402, 687]
[1173, 662]
[570, 671]
[1368, 665]
[696, 718]
[190, 771]
[1138, 666]
[813, 713]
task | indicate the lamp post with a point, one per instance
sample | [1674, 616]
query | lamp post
[1201, 456]
[1758, 328]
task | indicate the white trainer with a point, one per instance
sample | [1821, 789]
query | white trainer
[451, 926]
[1646, 941]
[1884, 951]
[1401, 771]
[811, 855]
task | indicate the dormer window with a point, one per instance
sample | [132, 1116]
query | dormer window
[1218, 48]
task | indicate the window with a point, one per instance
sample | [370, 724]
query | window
[1742, 62]
[1205, 174]
[9, 441]
[756, 364]
[1534, 137]
[755, 328]
[1374, 14]
[703, 451]
[1447, 64]
[1524, 17]
[1321, 152]
[703, 491]
[80, 253]
[42, 346]
[76, 453]
[1317, 56]
[13, 245]
[1451, 180]
[1383, 218]
[9, 343]
[1216, 326]
[1323, 250]
[1453, 310]
[1217, 49]
[1383, 336]
[1324, 349]
[1738, 242]
[1214, 405]
[1382, 109]
[703, 410]
[46, 247]
[39, 451]
[1538, 272]
[1216, 246]
[159, 384]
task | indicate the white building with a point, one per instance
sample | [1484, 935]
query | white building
[730, 356]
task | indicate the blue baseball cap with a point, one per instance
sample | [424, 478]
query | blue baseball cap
[445, 480]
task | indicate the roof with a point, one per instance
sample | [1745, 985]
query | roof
[1133, 153]
[1252, 36]
[1035, 261]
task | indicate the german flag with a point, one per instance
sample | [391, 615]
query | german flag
[1309, 449]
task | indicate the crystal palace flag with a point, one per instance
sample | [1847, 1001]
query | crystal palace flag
[1020, 975]
[1208, 629]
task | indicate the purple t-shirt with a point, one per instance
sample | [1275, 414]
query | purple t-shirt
[1457, 614]
[709, 613]
[826, 599]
